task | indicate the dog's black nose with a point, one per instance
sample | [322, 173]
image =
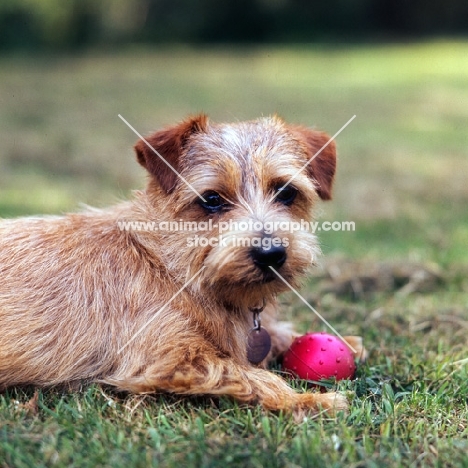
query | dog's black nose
[264, 258]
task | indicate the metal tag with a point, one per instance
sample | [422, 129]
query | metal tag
[258, 345]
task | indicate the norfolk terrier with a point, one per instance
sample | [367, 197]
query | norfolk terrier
[111, 296]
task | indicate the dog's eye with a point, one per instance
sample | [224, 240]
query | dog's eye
[286, 195]
[214, 202]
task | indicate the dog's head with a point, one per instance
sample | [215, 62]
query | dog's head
[242, 194]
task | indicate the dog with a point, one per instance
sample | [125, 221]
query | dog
[83, 299]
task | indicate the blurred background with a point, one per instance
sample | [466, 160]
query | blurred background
[68, 68]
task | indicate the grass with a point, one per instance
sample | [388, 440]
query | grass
[402, 179]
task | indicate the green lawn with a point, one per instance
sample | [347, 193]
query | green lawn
[402, 179]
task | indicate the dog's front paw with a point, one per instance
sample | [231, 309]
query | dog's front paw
[329, 404]
[334, 403]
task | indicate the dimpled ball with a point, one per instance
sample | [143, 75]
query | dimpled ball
[317, 356]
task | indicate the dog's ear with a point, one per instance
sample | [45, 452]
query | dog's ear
[168, 143]
[323, 165]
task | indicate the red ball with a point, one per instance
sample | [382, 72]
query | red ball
[317, 356]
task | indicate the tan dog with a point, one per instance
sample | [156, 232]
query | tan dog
[92, 296]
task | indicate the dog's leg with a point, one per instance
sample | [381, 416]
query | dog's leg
[241, 382]
[282, 335]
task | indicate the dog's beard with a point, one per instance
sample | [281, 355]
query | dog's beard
[230, 275]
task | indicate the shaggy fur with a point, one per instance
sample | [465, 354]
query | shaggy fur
[83, 299]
